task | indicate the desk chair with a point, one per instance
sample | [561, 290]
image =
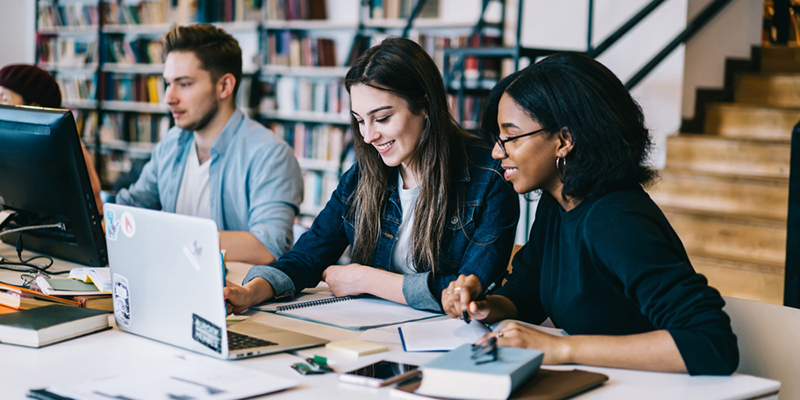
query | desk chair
[514, 251]
[768, 342]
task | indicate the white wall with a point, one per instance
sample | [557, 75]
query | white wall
[563, 25]
[17, 38]
[730, 35]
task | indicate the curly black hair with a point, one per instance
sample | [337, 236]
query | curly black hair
[573, 91]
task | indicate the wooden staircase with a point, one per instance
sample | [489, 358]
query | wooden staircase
[726, 192]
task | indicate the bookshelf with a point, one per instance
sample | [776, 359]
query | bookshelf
[107, 58]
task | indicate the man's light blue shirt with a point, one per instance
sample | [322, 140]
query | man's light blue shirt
[254, 180]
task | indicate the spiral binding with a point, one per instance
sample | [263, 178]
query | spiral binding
[319, 302]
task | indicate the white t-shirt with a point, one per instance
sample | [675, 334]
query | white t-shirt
[401, 253]
[193, 197]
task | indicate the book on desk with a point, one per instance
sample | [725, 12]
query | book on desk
[42, 326]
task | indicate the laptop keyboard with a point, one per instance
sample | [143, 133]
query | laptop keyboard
[237, 341]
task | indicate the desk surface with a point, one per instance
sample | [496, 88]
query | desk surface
[113, 353]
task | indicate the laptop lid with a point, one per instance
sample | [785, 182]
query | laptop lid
[167, 277]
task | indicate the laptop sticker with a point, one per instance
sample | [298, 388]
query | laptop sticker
[128, 224]
[112, 225]
[122, 300]
[206, 333]
[193, 253]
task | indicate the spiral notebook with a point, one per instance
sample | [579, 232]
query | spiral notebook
[349, 312]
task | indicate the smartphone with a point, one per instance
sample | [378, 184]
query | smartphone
[381, 373]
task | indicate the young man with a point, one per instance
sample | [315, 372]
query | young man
[216, 162]
[29, 85]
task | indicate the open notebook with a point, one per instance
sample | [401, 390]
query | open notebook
[349, 312]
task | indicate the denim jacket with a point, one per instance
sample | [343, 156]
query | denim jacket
[478, 243]
[254, 180]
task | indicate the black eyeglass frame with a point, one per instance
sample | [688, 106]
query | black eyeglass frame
[502, 142]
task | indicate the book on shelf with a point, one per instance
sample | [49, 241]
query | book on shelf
[316, 95]
[226, 11]
[77, 86]
[401, 9]
[323, 142]
[143, 12]
[67, 51]
[23, 299]
[297, 49]
[137, 51]
[51, 324]
[547, 384]
[86, 124]
[133, 127]
[67, 14]
[457, 375]
[132, 87]
[318, 187]
[290, 10]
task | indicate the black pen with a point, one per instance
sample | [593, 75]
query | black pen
[482, 296]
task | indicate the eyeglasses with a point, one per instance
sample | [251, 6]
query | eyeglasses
[502, 142]
[485, 353]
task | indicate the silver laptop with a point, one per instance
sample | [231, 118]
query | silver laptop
[167, 276]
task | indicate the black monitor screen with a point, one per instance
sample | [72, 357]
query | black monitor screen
[43, 178]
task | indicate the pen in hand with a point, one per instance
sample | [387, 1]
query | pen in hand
[481, 297]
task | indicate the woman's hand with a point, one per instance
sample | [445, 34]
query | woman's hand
[555, 348]
[347, 280]
[460, 295]
[239, 298]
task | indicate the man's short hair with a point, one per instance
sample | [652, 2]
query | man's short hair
[218, 52]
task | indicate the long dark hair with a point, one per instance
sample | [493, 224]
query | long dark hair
[402, 67]
[573, 91]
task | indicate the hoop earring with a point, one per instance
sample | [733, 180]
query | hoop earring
[561, 162]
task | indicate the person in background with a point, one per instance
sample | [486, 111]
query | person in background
[602, 261]
[29, 85]
[423, 203]
[216, 162]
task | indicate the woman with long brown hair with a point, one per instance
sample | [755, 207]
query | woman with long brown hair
[424, 202]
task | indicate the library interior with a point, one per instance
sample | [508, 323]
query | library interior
[416, 199]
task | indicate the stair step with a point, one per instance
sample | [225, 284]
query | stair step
[719, 235]
[780, 59]
[741, 279]
[762, 197]
[776, 90]
[712, 153]
[747, 120]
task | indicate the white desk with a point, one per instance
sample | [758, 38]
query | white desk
[113, 352]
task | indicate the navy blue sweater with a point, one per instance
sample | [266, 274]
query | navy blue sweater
[614, 266]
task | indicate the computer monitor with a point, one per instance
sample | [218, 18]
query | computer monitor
[43, 178]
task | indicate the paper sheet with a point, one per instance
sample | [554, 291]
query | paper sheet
[386, 334]
[441, 335]
[197, 379]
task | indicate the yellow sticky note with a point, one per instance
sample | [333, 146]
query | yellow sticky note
[355, 347]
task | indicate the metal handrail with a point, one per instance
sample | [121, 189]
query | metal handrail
[692, 28]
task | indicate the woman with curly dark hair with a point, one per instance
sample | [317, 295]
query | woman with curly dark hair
[602, 261]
